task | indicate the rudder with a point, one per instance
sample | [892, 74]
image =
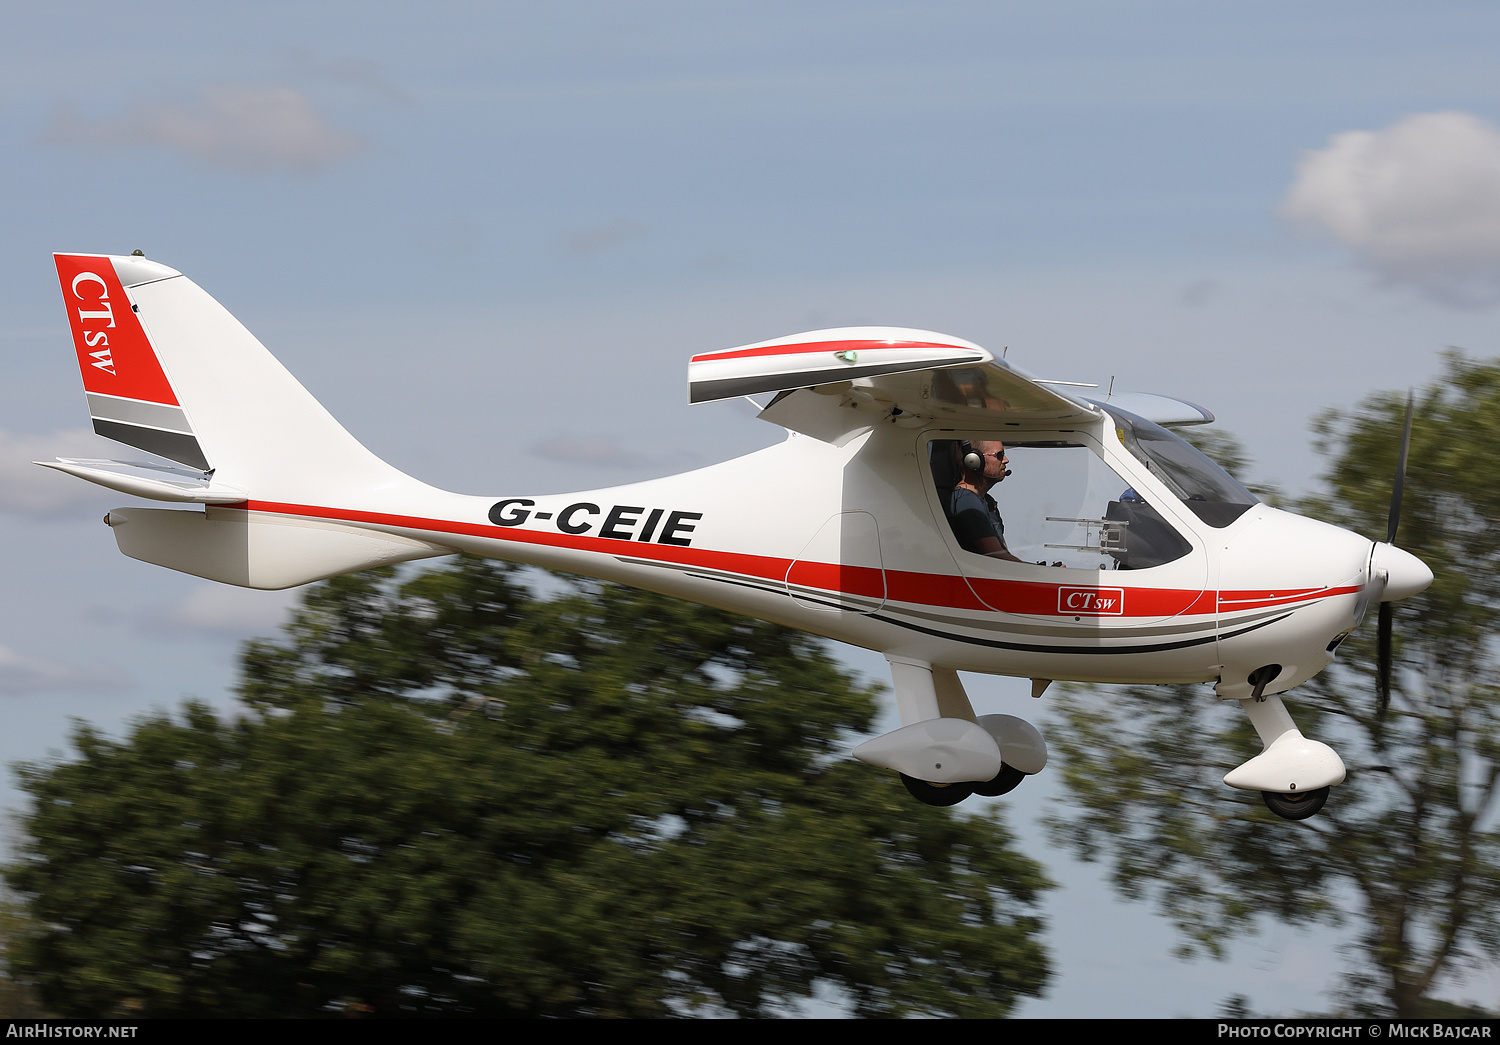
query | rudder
[130, 399]
[168, 370]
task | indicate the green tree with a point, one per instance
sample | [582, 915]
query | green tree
[454, 796]
[1411, 836]
[17, 1001]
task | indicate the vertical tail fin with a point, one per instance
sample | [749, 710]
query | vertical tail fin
[168, 370]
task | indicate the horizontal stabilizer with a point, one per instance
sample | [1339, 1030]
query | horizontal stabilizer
[160, 484]
[254, 549]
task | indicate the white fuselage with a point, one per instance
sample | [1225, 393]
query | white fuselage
[849, 542]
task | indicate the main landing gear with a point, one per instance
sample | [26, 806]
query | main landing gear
[944, 752]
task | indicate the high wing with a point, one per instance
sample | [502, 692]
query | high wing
[834, 384]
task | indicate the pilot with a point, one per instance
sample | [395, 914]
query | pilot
[972, 512]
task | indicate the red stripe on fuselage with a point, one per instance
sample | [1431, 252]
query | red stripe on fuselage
[1254, 600]
[947, 591]
[1040, 599]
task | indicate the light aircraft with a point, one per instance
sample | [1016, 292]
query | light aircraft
[1131, 557]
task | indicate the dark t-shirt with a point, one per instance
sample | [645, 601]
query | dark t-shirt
[974, 518]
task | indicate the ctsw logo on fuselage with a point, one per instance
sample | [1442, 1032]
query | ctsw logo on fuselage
[1091, 602]
[621, 522]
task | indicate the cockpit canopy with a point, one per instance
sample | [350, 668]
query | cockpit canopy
[1211, 493]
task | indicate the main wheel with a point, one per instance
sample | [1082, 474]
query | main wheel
[936, 794]
[1298, 805]
[1005, 781]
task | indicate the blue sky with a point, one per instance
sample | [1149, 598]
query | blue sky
[430, 213]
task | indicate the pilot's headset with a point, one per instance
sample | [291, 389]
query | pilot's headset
[973, 460]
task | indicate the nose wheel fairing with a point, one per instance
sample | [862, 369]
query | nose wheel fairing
[1290, 762]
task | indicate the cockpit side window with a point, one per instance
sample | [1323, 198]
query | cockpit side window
[1059, 504]
[1211, 493]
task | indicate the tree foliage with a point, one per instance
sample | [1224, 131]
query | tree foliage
[17, 1001]
[455, 796]
[1410, 838]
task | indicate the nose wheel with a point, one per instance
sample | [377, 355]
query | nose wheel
[1296, 805]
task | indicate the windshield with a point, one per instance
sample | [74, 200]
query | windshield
[1213, 494]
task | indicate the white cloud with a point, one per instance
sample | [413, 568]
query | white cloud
[1419, 202]
[26, 489]
[243, 127]
[20, 674]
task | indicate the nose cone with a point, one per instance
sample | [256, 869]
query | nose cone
[1406, 574]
